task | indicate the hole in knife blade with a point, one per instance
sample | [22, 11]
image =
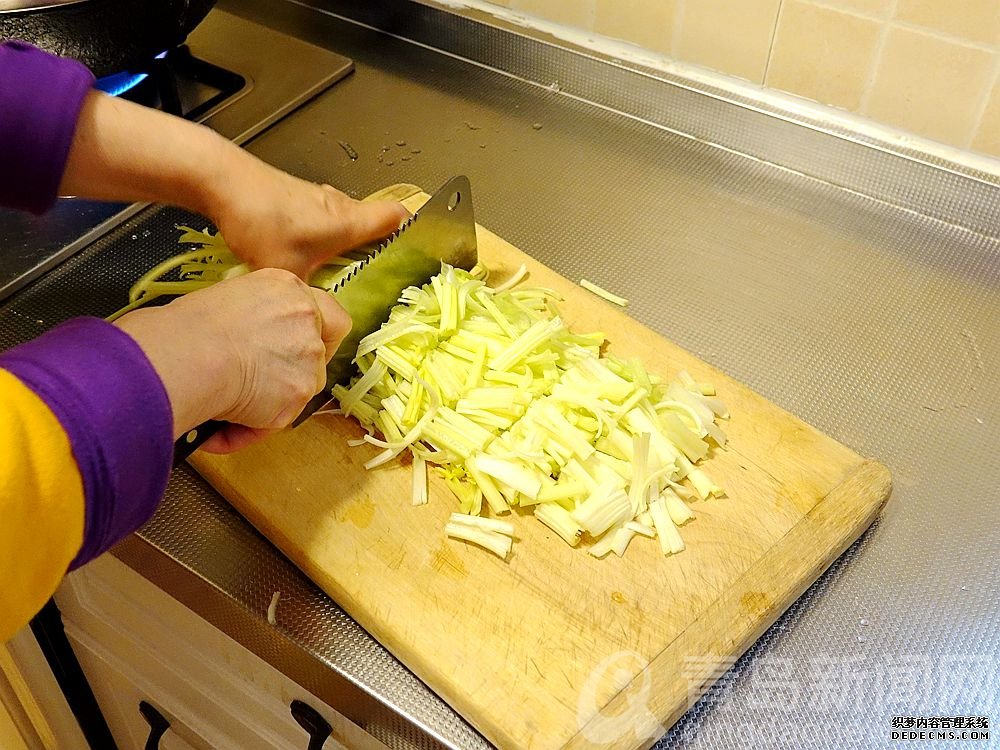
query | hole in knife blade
[454, 200]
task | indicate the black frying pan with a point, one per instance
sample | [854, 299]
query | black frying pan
[108, 36]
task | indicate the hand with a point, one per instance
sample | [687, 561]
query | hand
[275, 219]
[123, 151]
[251, 350]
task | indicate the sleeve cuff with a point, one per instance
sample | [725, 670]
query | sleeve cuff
[40, 100]
[110, 401]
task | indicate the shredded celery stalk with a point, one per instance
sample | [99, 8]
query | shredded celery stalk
[210, 263]
[486, 524]
[497, 543]
[497, 399]
[272, 608]
[590, 286]
[419, 496]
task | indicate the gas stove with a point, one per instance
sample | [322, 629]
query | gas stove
[226, 76]
[176, 81]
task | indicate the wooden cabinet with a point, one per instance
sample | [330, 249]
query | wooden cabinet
[34, 714]
[11, 737]
[136, 643]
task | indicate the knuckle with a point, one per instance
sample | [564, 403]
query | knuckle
[342, 323]
[315, 348]
[280, 276]
[302, 392]
[333, 199]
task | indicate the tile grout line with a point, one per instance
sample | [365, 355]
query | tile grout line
[774, 37]
[984, 102]
[887, 24]
[942, 36]
[883, 35]
[832, 5]
[675, 35]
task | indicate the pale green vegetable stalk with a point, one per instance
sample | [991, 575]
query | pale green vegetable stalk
[491, 391]
[590, 286]
[512, 409]
[495, 542]
[212, 262]
[488, 533]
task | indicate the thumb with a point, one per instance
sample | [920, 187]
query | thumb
[367, 221]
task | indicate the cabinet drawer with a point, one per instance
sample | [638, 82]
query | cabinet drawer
[136, 643]
[120, 699]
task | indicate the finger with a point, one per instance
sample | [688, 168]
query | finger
[233, 438]
[291, 412]
[365, 221]
[283, 260]
[335, 323]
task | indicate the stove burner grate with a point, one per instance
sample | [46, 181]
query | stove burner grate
[176, 82]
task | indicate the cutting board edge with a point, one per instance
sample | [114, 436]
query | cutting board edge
[398, 192]
[864, 493]
[754, 624]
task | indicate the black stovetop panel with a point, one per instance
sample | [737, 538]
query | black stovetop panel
[233, 75]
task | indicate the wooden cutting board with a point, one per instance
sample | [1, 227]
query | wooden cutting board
[554, 648]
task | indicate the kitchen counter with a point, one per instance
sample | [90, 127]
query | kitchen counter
[852, 282]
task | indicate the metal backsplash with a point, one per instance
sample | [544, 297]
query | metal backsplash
[904, 177]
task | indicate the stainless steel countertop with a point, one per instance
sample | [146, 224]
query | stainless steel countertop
[854, 286]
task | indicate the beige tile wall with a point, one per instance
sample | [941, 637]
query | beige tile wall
[931, 67]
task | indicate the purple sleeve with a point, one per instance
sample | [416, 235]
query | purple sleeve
[106, 395]
[40, 100]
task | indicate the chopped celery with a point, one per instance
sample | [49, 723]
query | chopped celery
[211, 262]
[510, 406]
[486, 524]
[670, 539]
[641, 528]
[621, 539]
[495, 542]
[419, 495]
[606, 507]
[560, 521]
[603, 293]
[677, 508]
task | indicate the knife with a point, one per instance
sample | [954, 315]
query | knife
[442, 231]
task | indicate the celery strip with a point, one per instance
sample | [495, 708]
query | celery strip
[486, 524]
[511, 408]
[496, 543]
[603, 293]
[419, 494]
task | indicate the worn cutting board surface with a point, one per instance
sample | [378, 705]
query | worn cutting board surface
[554, 648]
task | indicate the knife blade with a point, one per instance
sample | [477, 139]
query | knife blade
[442, 231]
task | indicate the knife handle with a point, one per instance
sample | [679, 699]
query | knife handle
[193, 439]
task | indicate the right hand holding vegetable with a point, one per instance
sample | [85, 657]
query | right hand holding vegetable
[251, 350]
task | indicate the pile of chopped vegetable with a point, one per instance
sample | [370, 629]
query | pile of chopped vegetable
[513, 409]
[489, 389]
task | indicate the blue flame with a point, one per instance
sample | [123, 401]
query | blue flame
[118, 83]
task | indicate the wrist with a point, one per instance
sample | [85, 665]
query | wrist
[213, 175]
[124, 151]
[194, 374]
[225, 171]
